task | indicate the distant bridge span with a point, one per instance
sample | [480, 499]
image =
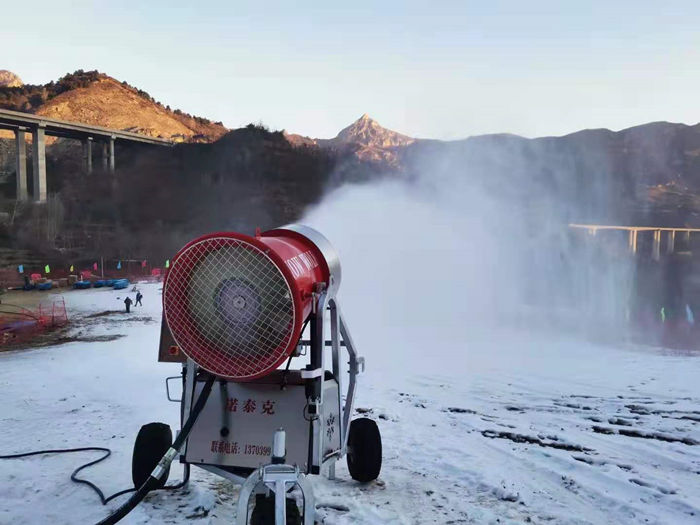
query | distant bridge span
[39, 127]
[593, 229]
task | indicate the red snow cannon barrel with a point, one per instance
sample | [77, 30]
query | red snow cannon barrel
[235, 304]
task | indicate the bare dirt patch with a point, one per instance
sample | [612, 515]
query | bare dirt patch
[645, 435]
[522, 438]
[127, 317]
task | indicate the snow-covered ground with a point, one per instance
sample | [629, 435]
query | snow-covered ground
[506, 428]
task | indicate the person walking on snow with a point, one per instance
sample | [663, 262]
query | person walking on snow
[128, 302]
[139, 296]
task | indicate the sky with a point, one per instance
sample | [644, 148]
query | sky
[438, 69]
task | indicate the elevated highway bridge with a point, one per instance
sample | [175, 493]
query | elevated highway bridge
[40, 127]
[633, 233]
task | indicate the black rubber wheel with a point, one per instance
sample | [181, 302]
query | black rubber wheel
[264, 511]
[152, 442]
[364, 450]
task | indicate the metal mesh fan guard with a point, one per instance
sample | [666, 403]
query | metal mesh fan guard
[229, 307]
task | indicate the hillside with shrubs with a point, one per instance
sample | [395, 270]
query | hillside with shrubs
[94, 98]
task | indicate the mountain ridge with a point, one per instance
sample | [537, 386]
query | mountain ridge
[655, 164]
[91, 97]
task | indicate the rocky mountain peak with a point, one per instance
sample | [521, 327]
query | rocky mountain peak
[368, 132]
[9, 79]
[365, 138]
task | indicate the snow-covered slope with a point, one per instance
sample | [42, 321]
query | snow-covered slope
[509, 428]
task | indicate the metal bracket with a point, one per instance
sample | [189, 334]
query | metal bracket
[167, 388]
[356, 366]
[277, 478]
[312, 374]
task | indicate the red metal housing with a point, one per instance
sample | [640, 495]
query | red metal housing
[235, 304]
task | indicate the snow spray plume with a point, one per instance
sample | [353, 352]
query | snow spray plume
[465, 246]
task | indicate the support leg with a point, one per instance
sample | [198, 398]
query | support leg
[309, 500]
[280, 501]
[244, 497]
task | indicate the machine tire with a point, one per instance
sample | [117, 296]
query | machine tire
[264, 511]
[152, 442]
[364, 450]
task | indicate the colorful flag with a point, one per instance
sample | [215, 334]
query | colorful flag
[143, 263]
[119, 265]
[94, 266]
[20, 268]
[167, 263]
[47, 269]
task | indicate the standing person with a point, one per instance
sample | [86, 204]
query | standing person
[139, 296]
[128, 302]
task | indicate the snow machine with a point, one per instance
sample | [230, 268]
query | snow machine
[237, 310]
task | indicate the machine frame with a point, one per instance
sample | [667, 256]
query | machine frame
[278, 477]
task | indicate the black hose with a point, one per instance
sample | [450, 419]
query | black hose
[153, 479]
[107, 452]
[73, 476]
[164, 463]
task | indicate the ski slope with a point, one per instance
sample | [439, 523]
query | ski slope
[505, 427]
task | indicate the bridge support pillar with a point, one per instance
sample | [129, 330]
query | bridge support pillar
[87, 155]
[671, 245]
[39, 164]
[111, 155]
[656, 247]
[103, 155]
[21, 165]
[108, 155]
[633, 241]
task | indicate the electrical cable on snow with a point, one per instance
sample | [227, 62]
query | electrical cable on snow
[74, 475]
[153, 479]
[167, 458]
